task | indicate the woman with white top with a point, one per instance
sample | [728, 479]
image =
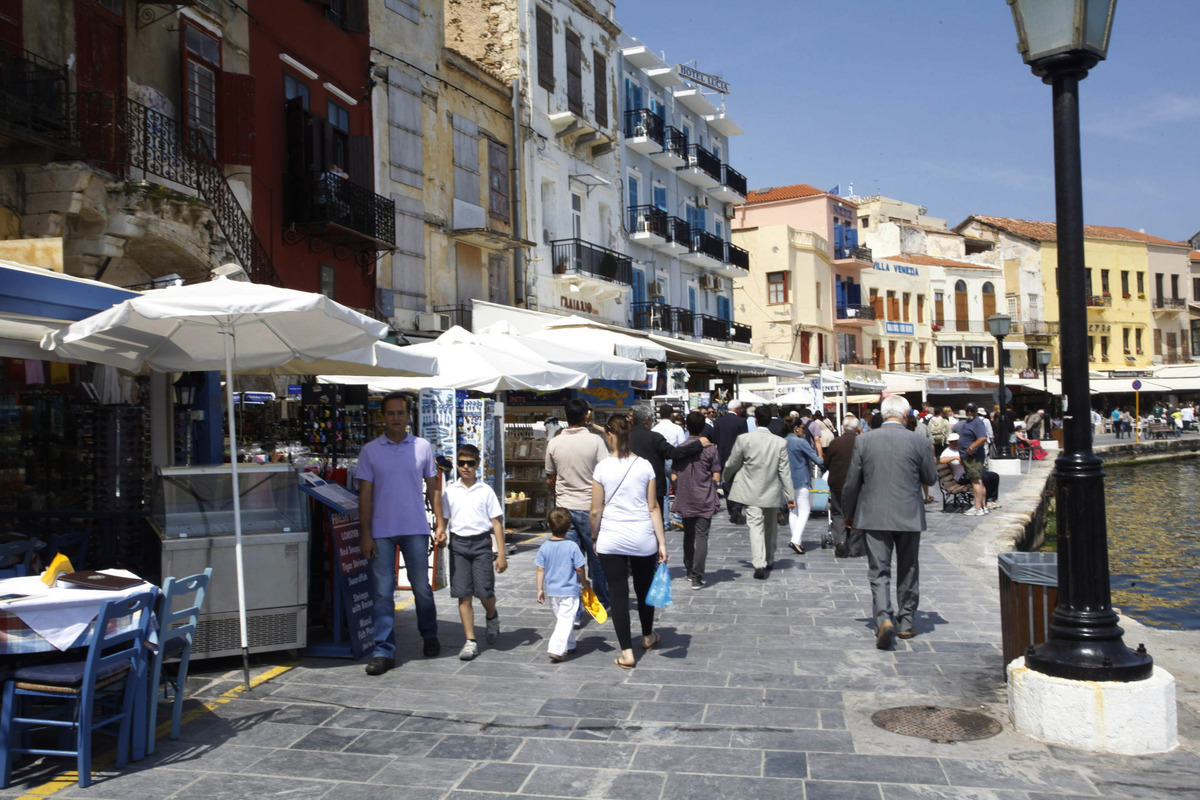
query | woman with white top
[629, 537]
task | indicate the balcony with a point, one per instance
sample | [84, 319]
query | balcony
[459, 314]
[858, 316]
[702, 169]
[583, 264]
[1099, 300]
[732, 188]
[737, 261]
[674, 149]
[707, 250]
[660, 317]
[339, 211]
[1170, 304]
[648, 226]
[723, 330]
[696, 101]
[644, 131]
[678, 237]
[35, 119]
[856, 257]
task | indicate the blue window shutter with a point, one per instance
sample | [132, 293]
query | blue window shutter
[723, 307]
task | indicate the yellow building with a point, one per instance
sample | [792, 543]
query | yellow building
[1121, 319]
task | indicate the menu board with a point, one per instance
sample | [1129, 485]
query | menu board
[355, 572]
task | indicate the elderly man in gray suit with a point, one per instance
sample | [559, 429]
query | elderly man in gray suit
[883, 497]
[760, 477]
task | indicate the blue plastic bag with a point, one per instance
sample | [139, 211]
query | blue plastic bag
[659, 595]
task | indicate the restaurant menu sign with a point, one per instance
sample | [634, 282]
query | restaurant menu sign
[355, 573]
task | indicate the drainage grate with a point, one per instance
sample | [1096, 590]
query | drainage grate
[946, 725]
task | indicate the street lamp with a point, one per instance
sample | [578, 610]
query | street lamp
[1044, 357]
[1000, 325]
[1061, 40]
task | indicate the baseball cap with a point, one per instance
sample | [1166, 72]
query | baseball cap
[971, 407]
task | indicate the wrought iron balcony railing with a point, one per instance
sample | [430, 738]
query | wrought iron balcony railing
[648, 219]
[697, 156]
[658, 316]
[858, 253]
[576, 255]
[459, 314]
[1035, 327]
[733, 179]
[854, 311]
[723, 329]
[1099, 300]
[737, 256]
[644, 122]
[708, 244]
[34, 98]
[675, 142]
[679, 231]
[134, 142]
[339, 210]
[1170, 302]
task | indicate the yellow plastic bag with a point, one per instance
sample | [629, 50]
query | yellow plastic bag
[592, 604]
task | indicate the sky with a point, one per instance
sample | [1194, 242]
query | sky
[928, 101]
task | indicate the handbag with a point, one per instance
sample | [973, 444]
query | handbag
[659, 595]
[819, 494]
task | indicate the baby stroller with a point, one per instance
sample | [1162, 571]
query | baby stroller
[819, 495]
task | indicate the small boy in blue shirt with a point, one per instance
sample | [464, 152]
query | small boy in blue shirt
[560, 575]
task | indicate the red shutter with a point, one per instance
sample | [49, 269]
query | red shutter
[237, 118]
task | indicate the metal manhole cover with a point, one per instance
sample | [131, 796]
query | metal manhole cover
[936, 724]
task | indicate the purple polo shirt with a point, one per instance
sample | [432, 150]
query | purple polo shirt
[397, 471]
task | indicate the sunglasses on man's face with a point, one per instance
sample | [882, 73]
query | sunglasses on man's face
[464, 463]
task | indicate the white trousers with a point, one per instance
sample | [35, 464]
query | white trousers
[798, 516]
[563, 638]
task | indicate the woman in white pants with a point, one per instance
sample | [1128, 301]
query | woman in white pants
[802, 456]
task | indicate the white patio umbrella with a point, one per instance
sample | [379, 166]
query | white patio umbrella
[594, 364]
[220, 325]
[465, 361]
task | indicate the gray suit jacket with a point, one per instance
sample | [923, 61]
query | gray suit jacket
[758, 470]
[883, 485]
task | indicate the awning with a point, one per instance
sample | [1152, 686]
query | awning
[1015, 344]
[585, 334]
[728, 359]
[863, 398]
[901, 382]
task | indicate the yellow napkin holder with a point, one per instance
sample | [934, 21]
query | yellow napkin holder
[59, 566]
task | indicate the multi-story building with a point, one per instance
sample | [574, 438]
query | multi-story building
[1170, 271]
[1123, 327]
[444, 155]
[125, 132]
[1194, 305]
[828, 265]
[680, 192]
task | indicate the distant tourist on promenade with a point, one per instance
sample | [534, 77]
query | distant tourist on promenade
[802, 457]
[730, 426]
[560, 578]
[847, 542]
[696, 479]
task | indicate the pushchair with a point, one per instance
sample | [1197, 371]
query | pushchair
[819, 496]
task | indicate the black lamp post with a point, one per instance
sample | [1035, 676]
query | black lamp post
[1044, 357]
[1000, 325]
[1061, 40]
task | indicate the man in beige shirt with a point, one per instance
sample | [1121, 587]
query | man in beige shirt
[571, 459]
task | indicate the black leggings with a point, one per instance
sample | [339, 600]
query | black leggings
[617, 570]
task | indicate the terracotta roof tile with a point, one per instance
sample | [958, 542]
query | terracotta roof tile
[1194, 255]
[921, 259]
[931, 229]
[1047, 231]
[792, 192]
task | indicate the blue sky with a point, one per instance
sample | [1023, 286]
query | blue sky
[928, 101]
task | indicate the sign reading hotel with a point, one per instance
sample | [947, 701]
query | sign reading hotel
[694, 75]
[582, 306]
[898, 327]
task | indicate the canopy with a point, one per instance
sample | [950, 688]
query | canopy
[587, 336]
[467, 361]
[379, 359]
[596, 365]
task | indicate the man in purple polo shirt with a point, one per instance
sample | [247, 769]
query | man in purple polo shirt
[394, 520]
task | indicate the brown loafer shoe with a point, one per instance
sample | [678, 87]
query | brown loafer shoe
[886, 635]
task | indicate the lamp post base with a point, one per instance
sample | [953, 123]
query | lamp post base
[1134, 718]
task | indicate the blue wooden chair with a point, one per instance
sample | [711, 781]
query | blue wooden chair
[72, 696]
[73, 545]
[16, 558]
[178, 627]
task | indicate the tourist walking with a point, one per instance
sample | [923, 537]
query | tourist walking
[972, 446]
[882, 496]
[729, 427]
[696, 478]
[847, 543]
[560, 577]
[629, 535]
[802, 457]
[760, 478]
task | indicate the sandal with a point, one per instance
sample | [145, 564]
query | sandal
[556, 658]
[623, 665]
[652, 641]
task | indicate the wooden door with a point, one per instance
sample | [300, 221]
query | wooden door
[100, 81]
[961, 322]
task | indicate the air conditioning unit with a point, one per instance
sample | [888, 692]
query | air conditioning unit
[706, 282]
[701, 201]
[655, 289]
[433, 322]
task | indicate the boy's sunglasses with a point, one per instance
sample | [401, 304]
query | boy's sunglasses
[465, 463]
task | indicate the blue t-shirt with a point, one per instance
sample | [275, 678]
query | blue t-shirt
[974, 429]
[560, 558]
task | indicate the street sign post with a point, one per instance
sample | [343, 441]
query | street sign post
[1137, 410]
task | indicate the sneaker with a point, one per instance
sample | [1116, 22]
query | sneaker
[973, 512]
[380, 665]
[992, 504]
[470, 649]
[697, 582]
[432, 647]
[493, 629]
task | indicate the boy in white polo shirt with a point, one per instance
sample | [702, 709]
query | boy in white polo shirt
[471, 512]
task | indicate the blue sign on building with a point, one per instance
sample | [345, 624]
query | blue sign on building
[898, 327]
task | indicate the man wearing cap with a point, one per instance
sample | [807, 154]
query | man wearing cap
[1033, 424]
[972, 446]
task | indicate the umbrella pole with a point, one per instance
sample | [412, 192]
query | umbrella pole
[237, 502]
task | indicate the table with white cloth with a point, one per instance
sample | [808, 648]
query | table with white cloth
[46, 619]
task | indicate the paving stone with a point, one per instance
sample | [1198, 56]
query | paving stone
[495, 777]
[705, 760]
[889, 769]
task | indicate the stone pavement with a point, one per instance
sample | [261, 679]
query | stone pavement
[760, 689]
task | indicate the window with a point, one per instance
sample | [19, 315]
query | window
[939, 310]
[1125, 283]
[1158, 286]
[466, 159]
[201, 69]
[945, 356]
[1158, 342]
[906, 298]
[574, 74]
[294, 87]
[600, 88]
[1104, 281]
[576, 216]
[893, 307]
[545, 49]
[989, 300]
[405, 137]
[498, 181]
[1091, 348]
[921, 313]
[1196, 289]
[1104, 348]
[1141, 283]
[329, 281]
[1137, 337]
[1175, 287]
[1125, 340]
[660, 197]
[339, 145]
[777, 287]
[960, 306]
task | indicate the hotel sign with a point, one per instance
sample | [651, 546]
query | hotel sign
[694, 75]
[573, 304]
[898, 327]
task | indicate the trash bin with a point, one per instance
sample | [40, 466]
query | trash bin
[1028, 595]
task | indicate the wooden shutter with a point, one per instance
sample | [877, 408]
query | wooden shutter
[237, 118]
[498, 181]
[301, 146]
[600, 88]
[989, 305]
[361, 156]
[545, 49]
[354, 17]
[960, 311]
[574, 74]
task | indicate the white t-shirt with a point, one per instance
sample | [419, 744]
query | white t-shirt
[470, 511]
[625, 526]
[671, 432]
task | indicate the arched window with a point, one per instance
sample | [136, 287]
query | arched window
[960, 306]
[989, 300]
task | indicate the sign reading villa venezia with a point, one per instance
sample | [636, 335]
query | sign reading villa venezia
[694, 75]
[903, 269]
[577, 305]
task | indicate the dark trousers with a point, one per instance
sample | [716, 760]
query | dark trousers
[908, 575]
[617, 570]
[854, 538]
[695, 545]
[991, 485]
[734, 509]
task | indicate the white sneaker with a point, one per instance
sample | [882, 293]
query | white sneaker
[973, 512]
[469, 650]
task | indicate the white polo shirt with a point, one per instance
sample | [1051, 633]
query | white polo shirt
[470, 511]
